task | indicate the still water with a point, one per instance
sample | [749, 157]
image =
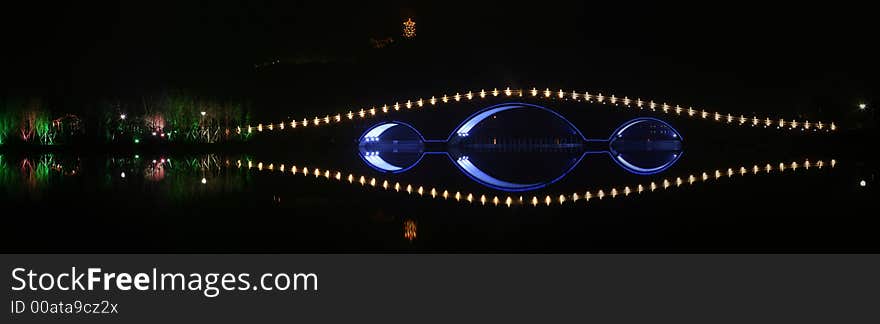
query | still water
[507, 177]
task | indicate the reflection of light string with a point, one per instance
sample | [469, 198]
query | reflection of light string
[546, 94]
[547, 200]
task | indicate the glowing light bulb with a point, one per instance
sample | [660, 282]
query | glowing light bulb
[122, 116]
[433, 193]
[385, 184]
[204, 181]
[409, 189]
[457, 196]
[470, 198]
[534, 201]
[508, 201]
[420, 191]
[203, 113]
[122, 175]
[483, 199]
[547, 200]
[862, 107]
[397, 187]
[862, 183]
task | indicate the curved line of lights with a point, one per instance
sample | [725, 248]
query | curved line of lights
[374, 159]
[548, 200]
[547, 94]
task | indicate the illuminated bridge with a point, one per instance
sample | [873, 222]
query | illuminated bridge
[491, 143]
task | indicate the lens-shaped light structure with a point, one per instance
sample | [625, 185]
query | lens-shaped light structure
[391, 147]
[645, 146]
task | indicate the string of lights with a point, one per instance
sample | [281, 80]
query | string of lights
[433, 192]
[547, 94]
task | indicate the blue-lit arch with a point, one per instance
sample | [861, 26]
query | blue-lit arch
[464, 164]
[619, 158]
[474, 119]
[374, 158]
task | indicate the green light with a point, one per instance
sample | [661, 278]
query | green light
[137, 141]
[137, 156]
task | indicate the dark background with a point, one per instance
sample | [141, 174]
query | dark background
[792, 58]
[783, 60]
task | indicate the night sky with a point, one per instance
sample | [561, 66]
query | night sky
[797, 59]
